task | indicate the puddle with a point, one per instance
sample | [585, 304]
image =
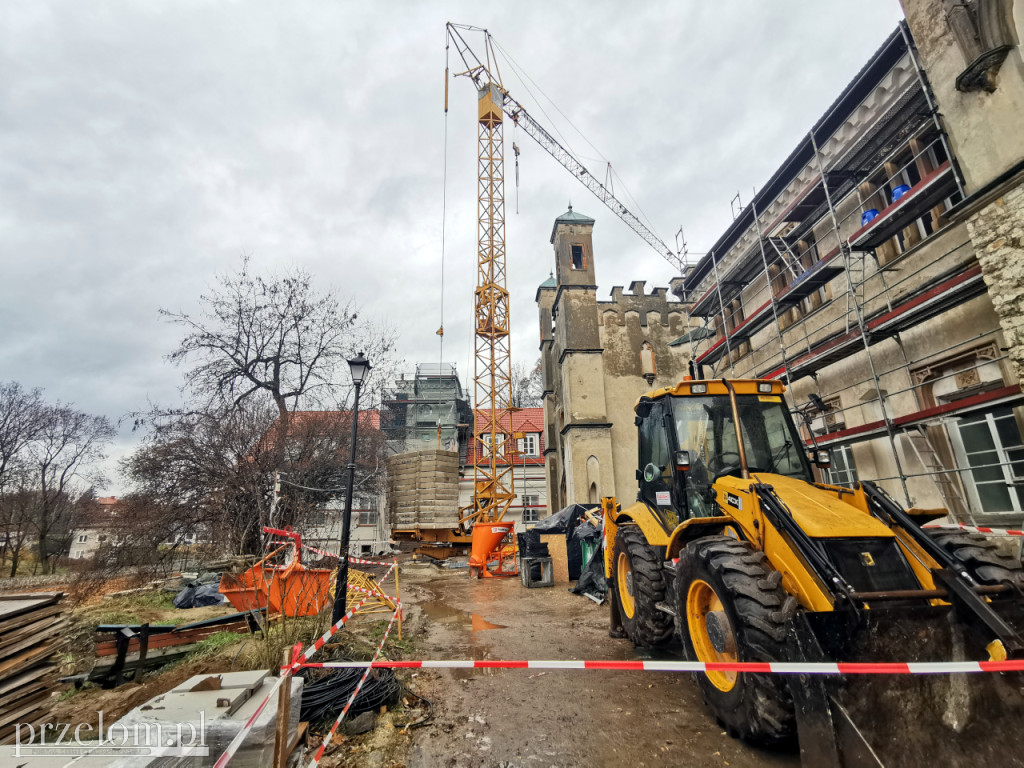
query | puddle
[437, 611]
[446, 614]
[480, 624]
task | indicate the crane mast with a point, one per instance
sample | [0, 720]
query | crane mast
[492, 374]
[493, 482]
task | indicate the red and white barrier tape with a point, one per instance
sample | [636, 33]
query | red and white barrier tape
[236, 742]
[336, 556]
[286, 673]
[976, 529]
[776, 668]
[359, 686]
[374, 592]
[319, 642]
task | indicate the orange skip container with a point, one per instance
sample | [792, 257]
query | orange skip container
[292, 590]
[246, 591]
[299, 591]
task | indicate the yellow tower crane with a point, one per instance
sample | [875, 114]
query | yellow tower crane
[493, 487]
[492, 376]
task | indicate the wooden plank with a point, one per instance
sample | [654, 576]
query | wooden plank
[24, 707]
[40, 716]
[25, 678]
[44, 685]
[40, 631]
[53, 638]
[11, 624]
[26, 657]
[15, 605]
[168, 640]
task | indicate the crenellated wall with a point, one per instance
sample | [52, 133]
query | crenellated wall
[598, 358]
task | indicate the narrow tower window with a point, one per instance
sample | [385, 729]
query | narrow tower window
[648, 370]
[578, 261]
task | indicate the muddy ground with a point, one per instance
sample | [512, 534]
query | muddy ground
[554, 718]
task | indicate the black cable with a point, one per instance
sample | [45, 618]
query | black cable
[430, 705]
[325, 692]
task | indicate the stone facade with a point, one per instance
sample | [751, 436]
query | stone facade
[982, 116]
[997, 232]
[597, 359]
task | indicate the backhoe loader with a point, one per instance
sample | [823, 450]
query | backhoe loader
[736, 549]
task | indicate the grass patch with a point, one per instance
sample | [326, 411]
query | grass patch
[117, 617]
[214, 643]
[154, 601]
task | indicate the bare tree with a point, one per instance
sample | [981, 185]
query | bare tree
[276, 335]
[527, 386]
[207, 469]
[212, 470]
[21, 413]
[66, 449]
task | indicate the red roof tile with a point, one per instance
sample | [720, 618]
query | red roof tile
[528, 420]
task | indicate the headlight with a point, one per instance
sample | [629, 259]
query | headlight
[764, 387]
[698, 389]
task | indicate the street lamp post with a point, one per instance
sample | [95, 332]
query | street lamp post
[359, 367]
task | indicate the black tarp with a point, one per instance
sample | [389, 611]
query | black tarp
[198, 595]
[566, 521]
[592, 581]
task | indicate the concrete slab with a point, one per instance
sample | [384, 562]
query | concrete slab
[248, 679]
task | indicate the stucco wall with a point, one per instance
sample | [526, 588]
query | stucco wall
[984, 128]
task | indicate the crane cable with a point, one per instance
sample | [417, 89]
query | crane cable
[523, 76]
[444, 208]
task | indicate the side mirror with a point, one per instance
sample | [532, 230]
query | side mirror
[652, 473]
[682, 460]
[822, 458]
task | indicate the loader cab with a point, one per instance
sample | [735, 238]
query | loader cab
[688, 439]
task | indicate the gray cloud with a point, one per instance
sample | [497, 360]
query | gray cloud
[144, 146]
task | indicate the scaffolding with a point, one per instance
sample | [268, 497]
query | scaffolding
[429, 409]
[837, 269]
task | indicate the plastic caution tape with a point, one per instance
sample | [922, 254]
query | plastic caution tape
[336, 556]
[327, 739]
[286, 673]
[236, 742]
[774, 668]
[320, 641]
[976, 529]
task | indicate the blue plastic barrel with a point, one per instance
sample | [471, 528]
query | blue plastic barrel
[900, 191]
[868, 216]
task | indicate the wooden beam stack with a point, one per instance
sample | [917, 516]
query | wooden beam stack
[32, 633]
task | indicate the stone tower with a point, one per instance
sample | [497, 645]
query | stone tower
[597, 358]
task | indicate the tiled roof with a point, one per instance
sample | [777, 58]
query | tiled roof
[528, 420]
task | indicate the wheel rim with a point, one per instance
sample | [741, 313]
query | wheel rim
[624, 582]
[702, 600]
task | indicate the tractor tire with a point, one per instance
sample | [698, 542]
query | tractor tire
[980, 556]
[730, 606]
[639, 587]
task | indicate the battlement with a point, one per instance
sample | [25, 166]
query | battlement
[637, 305]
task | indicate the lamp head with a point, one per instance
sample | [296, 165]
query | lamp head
[359, 366]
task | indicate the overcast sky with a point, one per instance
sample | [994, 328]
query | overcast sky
[145, 145]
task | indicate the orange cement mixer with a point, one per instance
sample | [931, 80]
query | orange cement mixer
[488, 548]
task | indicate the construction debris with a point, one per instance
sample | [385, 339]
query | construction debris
[31, 635]
[132, 648]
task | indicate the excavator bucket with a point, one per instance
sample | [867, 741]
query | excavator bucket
[958, 720]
